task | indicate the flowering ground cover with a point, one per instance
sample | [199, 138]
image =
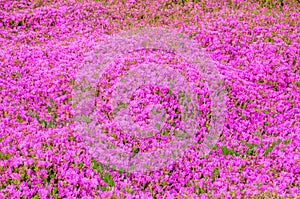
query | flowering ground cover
[255, 47]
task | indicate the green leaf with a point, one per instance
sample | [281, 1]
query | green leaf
[146, 166]
[122, 105]
[214, 147]
[270, 148]
[98, 167]
[44, 123]
[170, 93]
[125, 141]
[132, 167]
[54, 116]
[99, 170]
[108, 180]
[244, 105]
[175, 133]
[273, 144]
[206, 124]
[19, 119]
[19, 74]
[171, 83]
[251, 147]
[165, 132]
[121, 170]
[157, 126]
[154, 111]
[50, 124]
[267, 151]
[287, 141]
[49, 109]
[86, 118]
[279, 141]
[225, 150]
[80, 165]
[94, 164]
[134, 150]
[298, 84]
[215, 174]
[192, 35]
[102, 188]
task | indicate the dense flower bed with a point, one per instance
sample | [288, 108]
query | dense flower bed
[255, 48]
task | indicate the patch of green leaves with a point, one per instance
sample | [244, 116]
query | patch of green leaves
[97, 166]
[215, 174]
[165, 132]
[287, 141]
[5, 156]
[170, 92]
[251, 148]
[192, 35]
[157, 125]
[86, 118]
[44, 123]
[54, 192]
[227, 151]
[134, 150]
[298, 84]
[108, 180]
[270, 148]
[51, 111]
[80, 165]
[19, 119]
[121, 170]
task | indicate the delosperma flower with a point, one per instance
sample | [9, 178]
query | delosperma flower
[72, 82]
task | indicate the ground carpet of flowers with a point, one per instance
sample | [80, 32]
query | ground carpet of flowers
[255, 46]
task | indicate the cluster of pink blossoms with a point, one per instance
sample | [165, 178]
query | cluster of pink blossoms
[255, 48]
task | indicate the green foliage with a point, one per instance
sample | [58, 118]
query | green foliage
[287, 141]
[96, 166]
[80, 165]
[5, 156]
[157, 126]
[215, 174]
[170, 92]
[270, 148]
[165, 132]
[51, 111]
[108, 180]
[251, 148]
[121, 170]
[19, 119]
[134, 150]
[227, 151]
[86, 118]
[298, 84]
[44, 123]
